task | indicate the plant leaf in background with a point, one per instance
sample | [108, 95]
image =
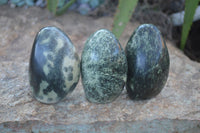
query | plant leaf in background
[30, 2]
[65, 7]
[52, 5]
[123, 15]
[190, 7]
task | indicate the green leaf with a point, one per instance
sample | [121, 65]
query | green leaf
[52, 5]
[123, 15]
[65, 7]
[190, 7]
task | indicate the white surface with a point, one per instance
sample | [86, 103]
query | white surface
[178, 18]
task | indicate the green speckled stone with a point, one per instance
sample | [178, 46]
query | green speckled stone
[54, 68]
[103, 67]
[148, 62]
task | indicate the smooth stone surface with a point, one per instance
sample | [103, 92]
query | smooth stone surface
[179, 99]
[54, 66]
[103, 67]
[148, 62]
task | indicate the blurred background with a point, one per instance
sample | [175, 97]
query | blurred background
[168, 16]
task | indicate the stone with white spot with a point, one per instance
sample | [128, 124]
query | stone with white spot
[54, 68]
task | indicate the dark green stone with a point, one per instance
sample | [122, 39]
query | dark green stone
[148, 62]
[54, 68]
[103, 67]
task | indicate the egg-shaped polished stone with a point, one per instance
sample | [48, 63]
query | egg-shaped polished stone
[103, 67]
[54, 68]
[148, 62]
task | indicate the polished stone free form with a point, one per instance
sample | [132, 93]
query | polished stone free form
[148, 62]
[103, 67]
[54, 68]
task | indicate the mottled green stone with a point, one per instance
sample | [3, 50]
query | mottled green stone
[54, 68]
[148, 62]
[103, 67]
